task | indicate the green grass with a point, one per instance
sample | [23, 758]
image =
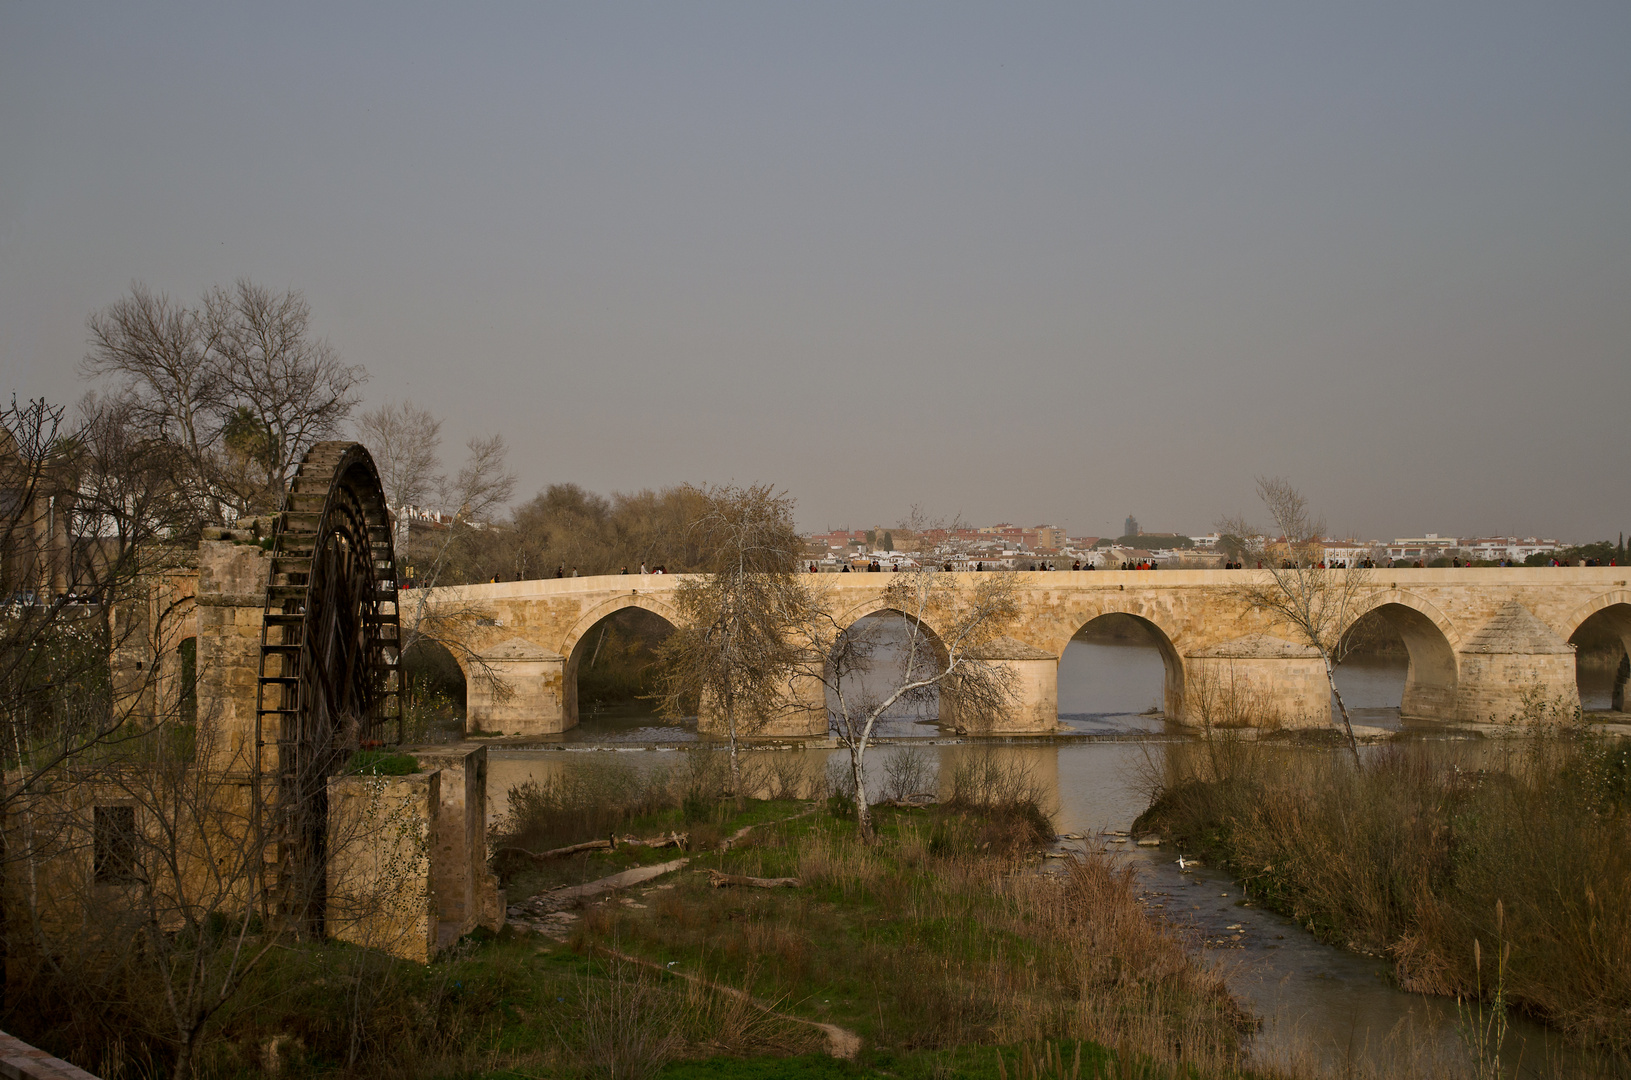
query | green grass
[914, 943]
[381, 763]
[936, 944]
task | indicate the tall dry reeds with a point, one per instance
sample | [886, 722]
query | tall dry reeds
[997, 953]
[1412, 853]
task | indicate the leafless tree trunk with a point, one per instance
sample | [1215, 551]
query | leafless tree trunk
[736, 652]
[1318, 602]
[964, 618]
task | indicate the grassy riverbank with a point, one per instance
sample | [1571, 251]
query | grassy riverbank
[933, 952]
[1438, 855]
[946, 948]
[934, 945]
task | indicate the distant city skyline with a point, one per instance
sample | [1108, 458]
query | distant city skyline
[1211, 528]
[1052, 262]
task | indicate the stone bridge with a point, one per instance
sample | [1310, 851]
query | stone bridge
[1479, 639]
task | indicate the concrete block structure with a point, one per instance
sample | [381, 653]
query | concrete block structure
[380, 880]
[464, 893]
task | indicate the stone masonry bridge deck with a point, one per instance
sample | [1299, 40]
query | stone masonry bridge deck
[1479, 639]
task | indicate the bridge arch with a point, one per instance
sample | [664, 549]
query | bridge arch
[436, 683]
[1430, 642]
[876, 604]
[933, 702]
[1172, 663]
[588, 620]
[580, 641]
[1594, 629]
[1402, 598]
[1616, 602]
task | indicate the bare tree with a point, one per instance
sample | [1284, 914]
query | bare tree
[163, 927]
[484, 482]
[943, 661]
[82, 517]
[406, 443]
[238, 384]
[481, 486]
[286, 389]
[1320, 603]
[737, 651]
[165, 358]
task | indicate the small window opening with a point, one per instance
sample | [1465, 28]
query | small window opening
[188, 705]
[113, 856]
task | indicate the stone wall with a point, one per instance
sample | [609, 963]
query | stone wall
[408, 856]
[230, 599]
[381, 833]
[465, 893]
[1191, 613]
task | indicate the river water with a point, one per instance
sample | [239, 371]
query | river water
[1314, 1000]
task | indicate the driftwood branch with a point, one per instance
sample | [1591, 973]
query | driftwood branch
[556, 853]
[673, 839]
[720, 881]
[911, 802]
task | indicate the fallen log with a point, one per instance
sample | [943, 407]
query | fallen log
[557, 853]
[673, 839]
[720, 881]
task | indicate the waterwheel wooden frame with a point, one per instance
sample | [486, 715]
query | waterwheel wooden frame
[329, 664]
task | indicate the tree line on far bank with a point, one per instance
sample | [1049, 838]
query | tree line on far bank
[566, 528]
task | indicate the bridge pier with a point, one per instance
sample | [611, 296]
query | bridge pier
[518, 688]
[806, 715]
[1033, 680]
[1257, 680]
[1515, 667]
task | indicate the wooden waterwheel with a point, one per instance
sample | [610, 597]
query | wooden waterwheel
[329, 659]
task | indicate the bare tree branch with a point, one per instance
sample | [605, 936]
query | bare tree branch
[1319, 602]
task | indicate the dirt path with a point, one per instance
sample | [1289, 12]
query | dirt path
[841, 1042]
[725, 845]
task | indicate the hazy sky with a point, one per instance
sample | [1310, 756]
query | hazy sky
[1023, 262]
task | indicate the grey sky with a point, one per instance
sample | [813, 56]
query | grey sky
[1028, 262]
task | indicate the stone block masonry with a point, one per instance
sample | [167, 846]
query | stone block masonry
[1473, 654]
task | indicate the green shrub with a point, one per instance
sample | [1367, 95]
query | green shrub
[381, 763]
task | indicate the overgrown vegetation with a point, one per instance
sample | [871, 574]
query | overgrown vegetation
[944, 943]
[1433, 853]
[932, 938]
[381, 763]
